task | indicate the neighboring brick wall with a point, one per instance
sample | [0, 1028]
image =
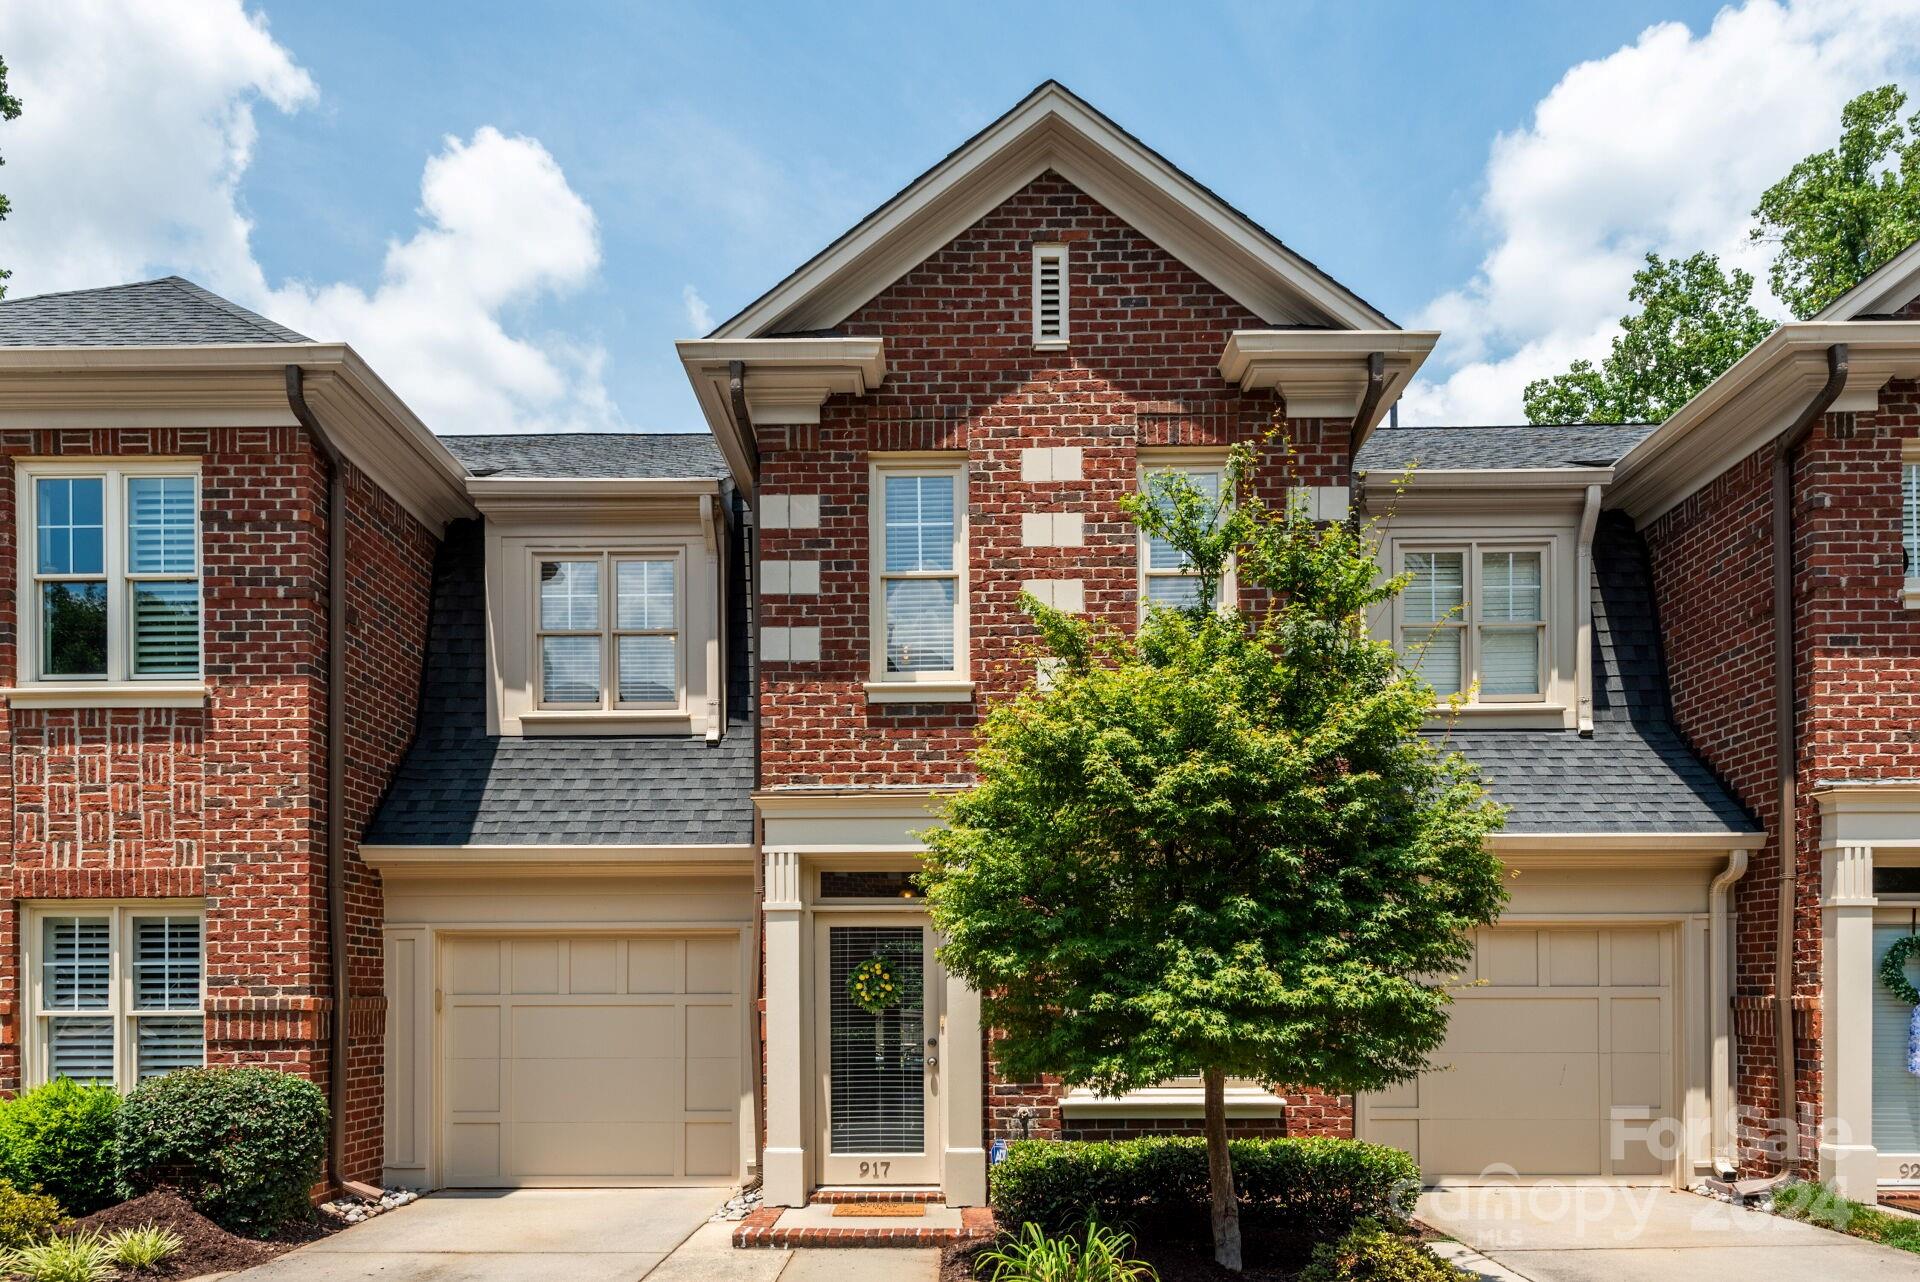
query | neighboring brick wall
[963, 375]
[1857, 649]
[227, 802]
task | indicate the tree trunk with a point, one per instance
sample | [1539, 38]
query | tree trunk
[1226, 1206]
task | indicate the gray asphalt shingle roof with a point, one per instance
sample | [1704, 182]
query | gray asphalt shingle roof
[459, 785]
[1635, 774]
[626, 455]
[1478, 448]
[167, 311]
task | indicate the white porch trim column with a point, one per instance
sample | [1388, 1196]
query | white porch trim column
[784, 1182]
[964, 1164]
[1848, 1160]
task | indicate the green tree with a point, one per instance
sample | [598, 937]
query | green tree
[9, 110]
[1220, 847]
[1843, 212]
[1694, 320]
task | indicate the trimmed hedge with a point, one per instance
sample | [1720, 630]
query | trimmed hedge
[1312, 1189]
[59, 1139]
[26, 1219]
[244, 1145]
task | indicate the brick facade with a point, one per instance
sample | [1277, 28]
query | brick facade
[1857, 649]
[963, 375]
[226, 802]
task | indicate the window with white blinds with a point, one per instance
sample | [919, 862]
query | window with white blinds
[1910, 520]
[1474, 618]
[1167, 577]
[114, 564]
[608, 630]
[117, 993]
[1049, 295]
[918, 585]
[877, 1088]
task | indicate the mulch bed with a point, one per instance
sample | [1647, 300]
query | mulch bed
[207, 1248]
[1173, 1261]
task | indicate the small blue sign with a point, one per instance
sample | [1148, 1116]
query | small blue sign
[997, 1154]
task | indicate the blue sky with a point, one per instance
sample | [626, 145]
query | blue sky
[696, 153]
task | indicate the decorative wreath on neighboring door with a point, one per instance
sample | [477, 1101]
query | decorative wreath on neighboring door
[879, 984]
[1893, 973]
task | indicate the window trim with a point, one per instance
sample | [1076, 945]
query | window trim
[1054, 252]
[1473, 551]
[1909, 515]
[1147, 463]
[881, 684]
[114, 475]
[35, 1043]
[608, 633]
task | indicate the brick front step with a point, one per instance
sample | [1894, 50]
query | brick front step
[833, 1196]
[762, 1228]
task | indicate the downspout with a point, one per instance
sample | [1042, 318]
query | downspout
[1786, 749]
[1583, 620]
[336, 774]
[1720, 999]
[1369, 402]
[750, 596]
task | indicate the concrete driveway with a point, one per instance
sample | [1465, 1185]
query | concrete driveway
[527, 1235]
[1573, 1233]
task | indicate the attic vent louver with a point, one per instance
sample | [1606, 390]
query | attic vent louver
[1049, 295]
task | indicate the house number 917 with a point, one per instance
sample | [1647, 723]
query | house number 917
[875, 1170]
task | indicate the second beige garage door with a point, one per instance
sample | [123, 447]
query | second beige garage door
[1556, 1064]
[591, 1060]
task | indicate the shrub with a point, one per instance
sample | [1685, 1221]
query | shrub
[1372, 1254]
[1097, 1255]
[83, 1257]
[26, 1219]
[244, 1145]
[59, 1138]
[144, 1247]
[1301, 1190]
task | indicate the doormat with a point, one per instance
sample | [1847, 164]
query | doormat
[881, 1210]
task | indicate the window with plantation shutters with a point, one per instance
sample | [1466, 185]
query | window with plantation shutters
[608, 630]
[111, 572]
[919, 561]
[1910, 521]
[1473, 620]
[1167, 578]
[1049, 295]
[116, 992]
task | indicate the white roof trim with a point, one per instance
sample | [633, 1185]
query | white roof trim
[1322, 373]
[1755, 401]
[1053, 129]
[1889, 287]
[783, 367]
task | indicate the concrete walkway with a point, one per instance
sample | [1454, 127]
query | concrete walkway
[1571, 1233]
[571, 1235]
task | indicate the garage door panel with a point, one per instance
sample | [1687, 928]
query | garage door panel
[713, 1084]
[711, 1148]
[1639, 1081]
[591, 1032]
[1638, 1024]
[595, 1150]
[1530, 1147]
[534, 965]
[1506, 1024]
[1636, 959]
[1530, 1085]
[1508, 958]
[473, 1032]
[473, 1085]
[656, 966]
[473, 1151]
[587, 1090]
[472, 966]
[593, 966]
[713, 966]
[1573, 958]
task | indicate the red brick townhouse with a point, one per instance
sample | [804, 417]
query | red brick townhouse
[636, 733]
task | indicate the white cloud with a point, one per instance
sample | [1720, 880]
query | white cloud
[699, 315]
[127, 163]
[1664, 145]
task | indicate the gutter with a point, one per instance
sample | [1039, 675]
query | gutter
[336, 775]
[1786, 750]
[1720, 981]
[1369, 402]
[750, 597]
[1583, 594]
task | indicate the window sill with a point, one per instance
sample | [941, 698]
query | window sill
[99, 694]
[1910, 595]
[602, 721]
[1508, 716]
[1172, 1102]
[919, 691]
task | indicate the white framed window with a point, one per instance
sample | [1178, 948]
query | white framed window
[109, 565]
[1050, 296]
[919, 581]
[116, 991]
[1166, 576]
[607, 629]
[1474, 616]
[1910, 526]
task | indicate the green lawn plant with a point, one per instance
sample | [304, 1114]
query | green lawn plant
[1095, 1254]
[83, 1257]
[1220, 847]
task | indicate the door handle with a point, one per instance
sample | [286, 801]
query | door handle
[933, 1052]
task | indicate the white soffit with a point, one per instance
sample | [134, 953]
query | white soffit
[1322, 373]
[1054, 129]
[1756, 400]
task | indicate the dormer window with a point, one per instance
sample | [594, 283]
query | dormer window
[608, 631]
[1049, 295]
[1474, 618]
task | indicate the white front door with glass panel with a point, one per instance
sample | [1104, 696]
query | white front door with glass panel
[1896, 1092]
[879, 1050]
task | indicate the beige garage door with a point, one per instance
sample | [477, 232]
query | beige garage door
[1557, 1064]
[591, 1061]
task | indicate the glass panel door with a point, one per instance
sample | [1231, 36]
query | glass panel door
[880, 1050]
[1896, 1092]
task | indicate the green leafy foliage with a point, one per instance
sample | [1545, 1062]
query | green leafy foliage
[9, 110]
[84, 1257]
[27, 1218]
[1693, 321]
[1095, 1254]
[244, 1145]
[1370, 1253]
[1841, 213]
[59, 1138]
[144, 1247]
[1817, 1204]
[1300, 1190]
